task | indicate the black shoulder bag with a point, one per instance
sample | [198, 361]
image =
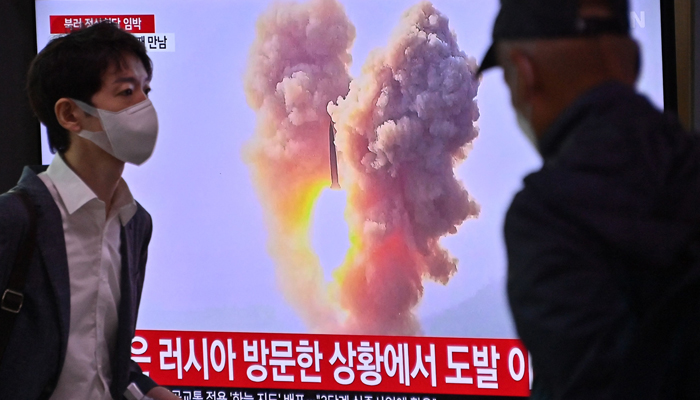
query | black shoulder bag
[12, 296]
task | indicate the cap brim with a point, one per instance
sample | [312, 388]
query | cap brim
[489, 60]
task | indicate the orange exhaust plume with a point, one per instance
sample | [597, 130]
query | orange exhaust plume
[298, 64]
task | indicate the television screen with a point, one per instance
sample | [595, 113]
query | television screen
[328, 191]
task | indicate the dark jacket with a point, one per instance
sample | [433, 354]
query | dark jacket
[604, 253]
[35, 354]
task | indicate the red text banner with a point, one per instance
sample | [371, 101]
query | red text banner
[397, 364]
[61, 24]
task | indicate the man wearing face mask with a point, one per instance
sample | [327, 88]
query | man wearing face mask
[604, 241]
[73, 241]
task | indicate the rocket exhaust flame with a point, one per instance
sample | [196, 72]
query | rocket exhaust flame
[401, 128]
[297, 65]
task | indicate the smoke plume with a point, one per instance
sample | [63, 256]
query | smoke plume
[298, 64]
[407, 121]
[402, 127]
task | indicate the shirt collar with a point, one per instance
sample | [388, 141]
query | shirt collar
[75, 193]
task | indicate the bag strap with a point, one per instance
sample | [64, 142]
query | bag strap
[12, 296]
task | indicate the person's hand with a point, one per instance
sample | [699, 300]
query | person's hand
[161, 393]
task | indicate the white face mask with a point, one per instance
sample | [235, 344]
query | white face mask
[129, 135]
[527, 129]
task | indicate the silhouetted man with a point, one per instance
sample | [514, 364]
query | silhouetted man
[604, 241]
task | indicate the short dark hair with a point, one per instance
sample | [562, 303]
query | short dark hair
[73, 66]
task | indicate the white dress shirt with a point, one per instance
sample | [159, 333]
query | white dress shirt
[94, 266]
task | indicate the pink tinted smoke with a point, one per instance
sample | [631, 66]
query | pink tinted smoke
[407, 121]
[297, 65]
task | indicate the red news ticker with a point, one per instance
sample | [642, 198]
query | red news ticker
[399, 364]
[131, 23]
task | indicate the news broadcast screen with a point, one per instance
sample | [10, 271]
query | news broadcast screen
[328, 192]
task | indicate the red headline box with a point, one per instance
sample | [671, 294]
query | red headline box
[398, 364]
[131, 23]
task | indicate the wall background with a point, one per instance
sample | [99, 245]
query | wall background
[696, 65]
[19, 130]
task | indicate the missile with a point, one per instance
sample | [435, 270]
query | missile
[334, 157]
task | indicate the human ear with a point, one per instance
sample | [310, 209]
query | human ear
[68, 115]
[524, 82]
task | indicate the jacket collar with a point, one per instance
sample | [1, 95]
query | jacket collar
[557, 133]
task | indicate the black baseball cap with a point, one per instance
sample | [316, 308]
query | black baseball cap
[551, 19]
